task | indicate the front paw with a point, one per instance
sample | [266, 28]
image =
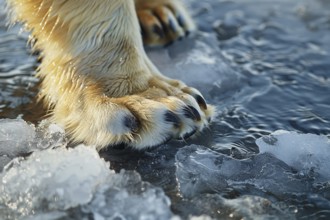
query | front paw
[146, 119]
[163, 22]
[161, 115]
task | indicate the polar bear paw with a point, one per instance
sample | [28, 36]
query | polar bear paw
[165, 110]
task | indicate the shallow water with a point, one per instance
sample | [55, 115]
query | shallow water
[272, 73]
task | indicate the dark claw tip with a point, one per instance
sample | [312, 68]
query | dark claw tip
[158, 30]
[201, 101]
[172, 118]
[131, 123]
[171, 25]
[181, 21]
[192, 113]
[188, 135]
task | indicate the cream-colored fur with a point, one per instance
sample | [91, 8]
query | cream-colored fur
[96, 76]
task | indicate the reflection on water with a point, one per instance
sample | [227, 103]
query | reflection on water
[279, 47]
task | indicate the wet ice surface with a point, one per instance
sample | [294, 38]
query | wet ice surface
[264, 64]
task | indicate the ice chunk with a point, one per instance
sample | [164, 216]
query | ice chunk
[18, 138]
[52, 179]
[127, 197]
[76, 183]
[49, 135]
[15, 137]
[305, 152]
[201, 170]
